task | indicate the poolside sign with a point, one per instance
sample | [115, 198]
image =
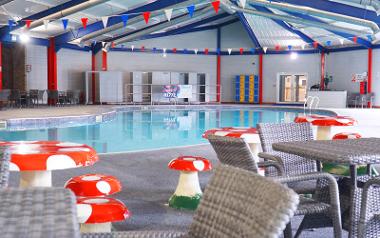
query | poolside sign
[177, 91]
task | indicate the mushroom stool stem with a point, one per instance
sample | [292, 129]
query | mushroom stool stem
[324, 133]
[188, 192]
[96, 227]
[37, 178]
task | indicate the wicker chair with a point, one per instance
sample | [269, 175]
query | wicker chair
[369, 223]
[235, 152]
[229, 210]
[4, 167]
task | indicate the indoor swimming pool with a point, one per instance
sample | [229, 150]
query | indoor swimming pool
[136, 129]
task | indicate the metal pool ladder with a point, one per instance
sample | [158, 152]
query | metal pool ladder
[310, 101]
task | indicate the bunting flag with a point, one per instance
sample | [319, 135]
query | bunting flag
[105, 21]
[216, 5]
[265, 49]
[185, 51]
[168, 13]
[242, 3]
[64, 23]
[290, 47]
[124, 19]
[191, 10]
[253, 50]
[142, 48]
[315, 44]
[146, 17]
[154, 49]
[277, 47]
[27, 23]
[104, 44]
[11, 23]
[303, 46]
[355, 39]
[196, 51]
[84, 22]
[132, 47]
[241, 50]
[206, 51]
[341, 41]
[174, 50]
[113, 44]
[229, 51]
[328, 43]
[164, 50]
[369, 37]
[46, 24]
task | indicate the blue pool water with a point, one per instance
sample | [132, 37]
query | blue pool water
[150, 129]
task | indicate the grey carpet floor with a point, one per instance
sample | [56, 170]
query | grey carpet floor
[147, 185]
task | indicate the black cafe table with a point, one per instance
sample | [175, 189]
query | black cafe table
[365, 151]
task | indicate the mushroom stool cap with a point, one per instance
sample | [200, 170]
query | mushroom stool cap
[101, 210]
[94, 185]
[190, 164]
[346, 135]
[320, 120]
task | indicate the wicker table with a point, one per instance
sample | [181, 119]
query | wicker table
[364, 151]
[38, 212]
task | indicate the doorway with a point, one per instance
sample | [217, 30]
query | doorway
[291, 88]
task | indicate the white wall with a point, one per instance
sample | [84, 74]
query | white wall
[71, 65]
[36, 57]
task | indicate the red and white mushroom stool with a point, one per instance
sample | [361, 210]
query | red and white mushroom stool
[249, 134]
[188, 192]
[96, 214]
[324, 123]
[346, 135]
[35, 160]
[94, 185]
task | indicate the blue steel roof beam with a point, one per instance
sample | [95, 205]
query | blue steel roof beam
[347, 36]
[338, 8]
[288, 27]
[97, 26]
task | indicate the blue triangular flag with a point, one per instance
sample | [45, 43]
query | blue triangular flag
[154, 49]
[185, 50]
[191, 10]
[328, 43]
[289, 47]
[253, 50]
[11, 23]
[65, 22]
[218, 51]
[369, 37]
[124, 18]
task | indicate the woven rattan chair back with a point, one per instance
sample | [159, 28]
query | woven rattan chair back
[4, 167]
[233, 151]
[229, 209]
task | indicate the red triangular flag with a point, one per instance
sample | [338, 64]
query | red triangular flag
[241, 51]
[216, 4]
[206, 51]
[146, 17]
[277, 47]
[315, 44]
[355, 39]
[113, 45]
[84, 22]
[28, 22]
[174, 50]
[142, 48]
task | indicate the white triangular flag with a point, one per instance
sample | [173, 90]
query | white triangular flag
[229, 51]
[105, 21]
[265, 49]
[341, 41]
[103, 43]
[164, 50]
[168, 13]
[132, 47]
[303, 46]
[242, 3]
[196, 51]
[46, 22]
